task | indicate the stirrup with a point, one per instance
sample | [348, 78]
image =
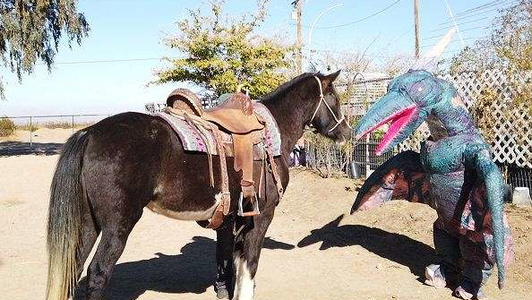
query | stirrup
[254, 204]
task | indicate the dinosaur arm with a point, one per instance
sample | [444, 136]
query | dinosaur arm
[400, 177]
[496, 192]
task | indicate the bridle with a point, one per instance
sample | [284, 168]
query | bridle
[322, 99]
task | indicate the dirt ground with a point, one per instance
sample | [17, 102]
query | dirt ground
[314, 248]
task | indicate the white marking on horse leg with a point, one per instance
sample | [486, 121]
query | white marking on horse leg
[244, 285]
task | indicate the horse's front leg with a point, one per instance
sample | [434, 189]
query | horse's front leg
[248, 245]
[224, 258]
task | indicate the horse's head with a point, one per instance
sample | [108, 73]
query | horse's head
[326, 115]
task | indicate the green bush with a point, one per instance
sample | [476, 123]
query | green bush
[7, 127]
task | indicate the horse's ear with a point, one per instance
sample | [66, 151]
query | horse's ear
[330, 78]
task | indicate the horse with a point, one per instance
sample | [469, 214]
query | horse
[108, 172]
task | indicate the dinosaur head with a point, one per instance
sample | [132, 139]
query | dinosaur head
[409, 101]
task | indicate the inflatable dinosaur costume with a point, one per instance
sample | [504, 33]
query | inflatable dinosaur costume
[453, 173]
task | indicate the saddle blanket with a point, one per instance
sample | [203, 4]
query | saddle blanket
[194, 140]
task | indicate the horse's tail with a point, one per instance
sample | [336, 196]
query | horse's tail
[64, 219]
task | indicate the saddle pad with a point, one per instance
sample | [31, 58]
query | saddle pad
[194, 140]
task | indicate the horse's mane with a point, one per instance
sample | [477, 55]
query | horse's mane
[287, 86]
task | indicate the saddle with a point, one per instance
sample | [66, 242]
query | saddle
[236, 117]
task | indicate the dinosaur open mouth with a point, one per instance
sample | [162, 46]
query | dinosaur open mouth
[397, 121]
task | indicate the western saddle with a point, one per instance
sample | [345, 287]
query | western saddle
[236, 117]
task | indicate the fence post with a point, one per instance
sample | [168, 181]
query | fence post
[368, 167]
[72, 124]
[31, 133]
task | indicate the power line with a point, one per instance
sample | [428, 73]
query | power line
[105, 61]
[458, 24]
[472, 12]
[470, 16]
[359, 20]
[482, 13]
[382, 55]
[465, 30]
[481, 7]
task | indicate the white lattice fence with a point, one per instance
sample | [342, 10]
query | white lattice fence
[509, 123]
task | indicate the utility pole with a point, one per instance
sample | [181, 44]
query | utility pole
[298, 4]
[416, 27]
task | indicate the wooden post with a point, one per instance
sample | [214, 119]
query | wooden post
[416, 27]
[299, 42]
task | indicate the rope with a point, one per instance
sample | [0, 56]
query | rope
[322, 99]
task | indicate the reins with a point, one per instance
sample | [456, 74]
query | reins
[322, 99]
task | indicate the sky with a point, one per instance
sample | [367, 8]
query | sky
[110, 72]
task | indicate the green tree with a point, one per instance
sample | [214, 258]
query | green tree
[221, 52]
[508, 49]
[509, 45]
[30, 30]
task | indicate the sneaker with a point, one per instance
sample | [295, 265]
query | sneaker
[222, 293]
[434, 276]
[469, 290]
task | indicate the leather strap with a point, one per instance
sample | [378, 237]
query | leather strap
[248, 188]
[225, 202]
[203, 131]
[275, 173]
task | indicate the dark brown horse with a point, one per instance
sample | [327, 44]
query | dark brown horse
[110, 171]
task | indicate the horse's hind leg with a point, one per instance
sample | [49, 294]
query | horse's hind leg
[111, 246]
[89, 235]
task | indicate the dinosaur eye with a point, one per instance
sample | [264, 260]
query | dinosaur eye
[419, 90]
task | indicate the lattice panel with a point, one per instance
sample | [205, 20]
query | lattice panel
[511, 124]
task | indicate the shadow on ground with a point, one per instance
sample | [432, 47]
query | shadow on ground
[22, 148]
[272, 244]
[392, 246]
[191, 271]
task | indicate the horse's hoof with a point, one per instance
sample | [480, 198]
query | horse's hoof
[222, 294]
